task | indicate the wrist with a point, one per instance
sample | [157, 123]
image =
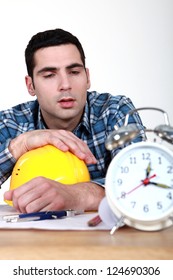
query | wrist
[91, 196]
[15, 147]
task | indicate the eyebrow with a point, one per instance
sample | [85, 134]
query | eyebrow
[47, 69]
[74, 65]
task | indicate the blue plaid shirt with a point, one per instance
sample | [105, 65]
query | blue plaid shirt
[102, 112]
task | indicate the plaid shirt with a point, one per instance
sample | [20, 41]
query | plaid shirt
[102, 112]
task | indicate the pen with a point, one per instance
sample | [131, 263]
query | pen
[36, 216]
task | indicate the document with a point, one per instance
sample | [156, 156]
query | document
[78, 222]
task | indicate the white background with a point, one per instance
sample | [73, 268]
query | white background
[128, 46]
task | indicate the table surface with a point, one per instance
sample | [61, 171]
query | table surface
[126, 243]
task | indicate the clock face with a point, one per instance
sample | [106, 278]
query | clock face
[139, 184]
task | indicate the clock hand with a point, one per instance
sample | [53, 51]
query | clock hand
[145, 182]
[148, 170]
[160, 185]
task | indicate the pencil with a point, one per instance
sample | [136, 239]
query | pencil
[94, 221]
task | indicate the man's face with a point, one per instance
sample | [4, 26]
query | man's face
[60, 83]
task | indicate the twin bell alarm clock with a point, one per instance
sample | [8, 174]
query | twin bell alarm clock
[139, 179]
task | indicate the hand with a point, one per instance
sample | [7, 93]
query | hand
[43, 194]
[62, 139]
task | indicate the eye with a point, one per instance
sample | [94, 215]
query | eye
[47, 76]
[74, 72]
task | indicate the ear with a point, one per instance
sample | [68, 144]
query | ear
[88, 78]
[29, 85]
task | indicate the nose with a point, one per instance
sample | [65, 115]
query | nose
[64, 82]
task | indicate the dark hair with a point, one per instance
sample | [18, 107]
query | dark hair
[50, 38]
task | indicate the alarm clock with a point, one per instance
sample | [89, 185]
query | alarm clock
[139, 179]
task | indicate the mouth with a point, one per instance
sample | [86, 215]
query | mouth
[66, 102]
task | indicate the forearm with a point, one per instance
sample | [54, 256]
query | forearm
[17, 146]
[43, 194]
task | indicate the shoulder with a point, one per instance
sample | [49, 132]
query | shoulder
[20, 111]
[101, 102]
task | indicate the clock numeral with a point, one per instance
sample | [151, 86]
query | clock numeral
[159, 205]
[160, 160]
[124, 169]
[133, 204]
[132, 160]
[169, 195]
[123, 195]
[170, 169]
[119, 181]
[146, 156]
[146, 208]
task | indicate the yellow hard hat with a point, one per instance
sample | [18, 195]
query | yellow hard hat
[49, 162]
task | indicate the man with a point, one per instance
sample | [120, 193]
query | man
[64, 114]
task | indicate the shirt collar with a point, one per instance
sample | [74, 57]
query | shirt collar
[85, 120]
[41, 123]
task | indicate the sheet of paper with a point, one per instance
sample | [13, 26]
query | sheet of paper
[78, 222]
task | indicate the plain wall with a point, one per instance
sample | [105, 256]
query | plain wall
[128, 46]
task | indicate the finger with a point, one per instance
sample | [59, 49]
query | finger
[75, 145]
[62, 139]
[26, 193]
[41, 204]
[35, 195]
[8, 195]
[46, 193]
[37, 205]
